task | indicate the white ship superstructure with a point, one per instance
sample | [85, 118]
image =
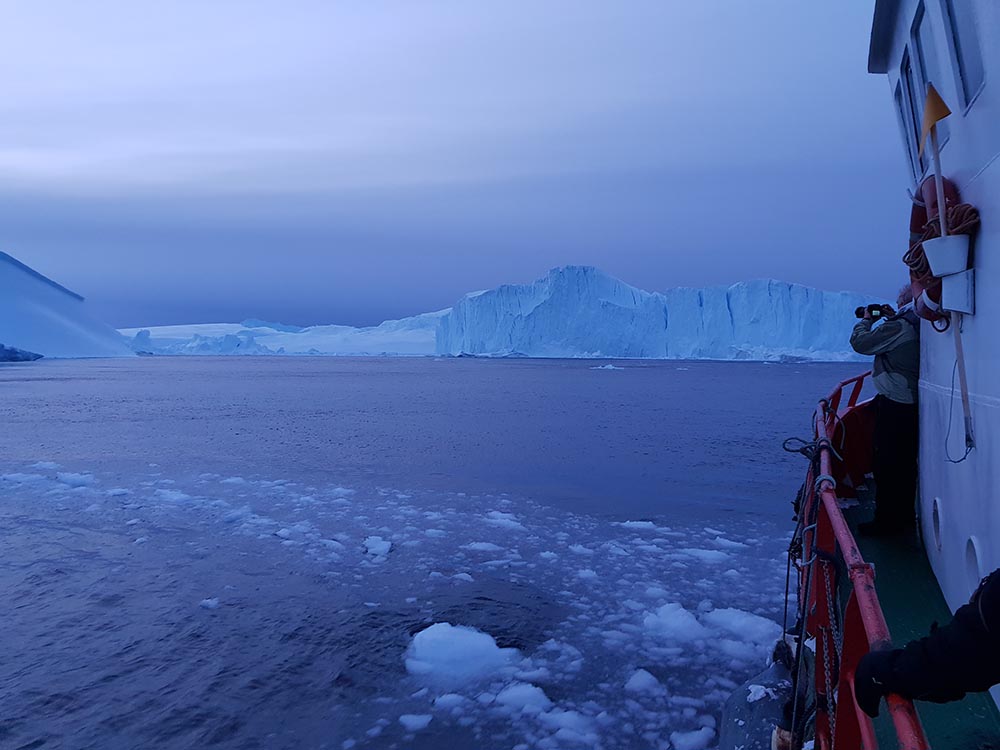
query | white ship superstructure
[955, 45]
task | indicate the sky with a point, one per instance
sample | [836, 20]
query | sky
[348, 162]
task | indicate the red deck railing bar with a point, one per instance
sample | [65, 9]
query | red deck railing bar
[863, 623]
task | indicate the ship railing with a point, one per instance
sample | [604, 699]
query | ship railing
[843, 634]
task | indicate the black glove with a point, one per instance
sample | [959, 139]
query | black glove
[871, 678]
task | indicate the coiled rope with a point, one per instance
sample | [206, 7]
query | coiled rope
[962, 219]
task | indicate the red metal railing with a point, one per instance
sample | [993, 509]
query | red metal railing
[829, 547]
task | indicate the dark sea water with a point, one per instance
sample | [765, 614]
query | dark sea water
[194, 548]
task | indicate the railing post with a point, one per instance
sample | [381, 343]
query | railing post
[854, 728]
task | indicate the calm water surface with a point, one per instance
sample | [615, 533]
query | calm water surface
[185, 560]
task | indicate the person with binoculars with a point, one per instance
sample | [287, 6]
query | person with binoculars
[895, 344]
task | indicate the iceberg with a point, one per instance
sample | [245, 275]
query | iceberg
[572, 312]
[40, 318]
[579, 311]
[414, 336]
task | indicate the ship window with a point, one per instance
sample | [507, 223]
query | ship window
[914, 108]
[965, 39]
[929, 67]
[904, 128]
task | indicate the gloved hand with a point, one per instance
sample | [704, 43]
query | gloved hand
[870, 680]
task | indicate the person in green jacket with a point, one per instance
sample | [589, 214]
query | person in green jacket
[895, 345]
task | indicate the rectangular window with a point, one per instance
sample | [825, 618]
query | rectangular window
[914, 105]
[966, 41]
[929, 64]
[904, 128]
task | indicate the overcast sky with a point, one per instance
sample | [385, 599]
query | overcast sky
[353, 161]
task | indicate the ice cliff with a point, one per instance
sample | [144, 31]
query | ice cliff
[572, 312]
[40, 317]
[581, 312]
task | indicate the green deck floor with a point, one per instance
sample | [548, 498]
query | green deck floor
[911, 601]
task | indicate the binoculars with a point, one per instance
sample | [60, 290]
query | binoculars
[876, 311]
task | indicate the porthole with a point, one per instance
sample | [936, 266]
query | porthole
[936, 521]
[973, 574]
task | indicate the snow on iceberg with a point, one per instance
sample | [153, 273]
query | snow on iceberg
[581, 312]
[38, 317]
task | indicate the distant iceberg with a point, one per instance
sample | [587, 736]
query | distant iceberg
[579, 311]
[573, 312]
[40, 318]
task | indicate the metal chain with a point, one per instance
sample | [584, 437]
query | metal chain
[838, 638]
[831, 704]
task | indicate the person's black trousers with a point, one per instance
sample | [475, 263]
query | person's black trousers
[895, 464]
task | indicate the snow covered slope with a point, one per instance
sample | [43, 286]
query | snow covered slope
[572, 312]
[581, 312]
[39, 316]
[406, 337]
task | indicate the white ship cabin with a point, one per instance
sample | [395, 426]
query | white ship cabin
[954, 44]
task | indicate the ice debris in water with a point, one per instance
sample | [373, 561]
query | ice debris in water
[75, 480]
[212, 603]
[376, 546]
[642, 681]
[696, 740]
[415, 722]
[674, 622]
[456, 655]
[759, 692]
[524, 697]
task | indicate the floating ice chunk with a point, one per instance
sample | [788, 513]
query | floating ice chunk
[453, 655]
[283, 534]
[721, 541]
[174, 496]
[482, 547]
[573, 721]
[21, 478]
[645, 525]
[743, 625]
[117, 492]
[504, 520]
[212, 603]
[50, 465]
[71, 479]
[238, 514]
[586, 574]
[234, 480]
[548, 555]
[696, 740]
[759, 692]
[415, 722]
[449, 701]
[709, 556]
[607, 367]
[642, 681]
[674, 622]
[435, 533]
[463, 577]
[524, 697]
[141, 540]
[377, 546]
[580, 549]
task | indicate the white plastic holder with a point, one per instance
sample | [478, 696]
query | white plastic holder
[958, 291]
[947, 255]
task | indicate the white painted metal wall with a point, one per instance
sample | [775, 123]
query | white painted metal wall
[960, 503]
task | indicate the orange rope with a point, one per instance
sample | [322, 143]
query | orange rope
[962, 219]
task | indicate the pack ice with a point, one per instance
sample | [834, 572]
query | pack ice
[574, 311]
[40, 317]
